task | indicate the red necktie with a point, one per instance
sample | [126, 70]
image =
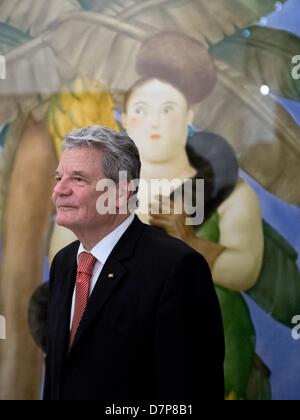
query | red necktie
[83, 281]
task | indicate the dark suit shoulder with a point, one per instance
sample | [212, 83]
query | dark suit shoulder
[67, 252]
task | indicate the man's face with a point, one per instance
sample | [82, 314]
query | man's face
[157, 120]
[75, 194]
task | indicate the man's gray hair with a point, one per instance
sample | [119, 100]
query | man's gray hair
[120, 151]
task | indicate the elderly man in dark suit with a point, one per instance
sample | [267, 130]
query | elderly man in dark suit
[133, 314]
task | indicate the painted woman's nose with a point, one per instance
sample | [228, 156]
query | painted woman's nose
[155, 120]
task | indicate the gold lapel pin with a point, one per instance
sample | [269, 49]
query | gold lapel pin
[111, 276]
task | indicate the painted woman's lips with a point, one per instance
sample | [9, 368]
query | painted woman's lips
[155, 137]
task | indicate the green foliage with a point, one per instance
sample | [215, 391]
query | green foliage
[264, 55]
[11, 37]
[3, 133]
[239, 342]
[277, 290]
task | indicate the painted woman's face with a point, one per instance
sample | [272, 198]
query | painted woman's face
[157, 119]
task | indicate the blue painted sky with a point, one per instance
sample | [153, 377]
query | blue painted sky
[287, 18]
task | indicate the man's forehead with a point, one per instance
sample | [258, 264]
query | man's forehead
[80, 160]
[80, 151]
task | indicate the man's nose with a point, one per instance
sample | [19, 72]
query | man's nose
[62, 187]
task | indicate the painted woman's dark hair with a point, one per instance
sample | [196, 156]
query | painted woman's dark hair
[179, 60]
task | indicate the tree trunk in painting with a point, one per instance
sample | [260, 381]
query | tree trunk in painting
[26, 222]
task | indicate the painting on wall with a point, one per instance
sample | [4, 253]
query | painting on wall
[199, 86]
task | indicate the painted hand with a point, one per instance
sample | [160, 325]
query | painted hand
[168, 219]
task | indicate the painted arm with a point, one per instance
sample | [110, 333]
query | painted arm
[236, 261]
[241, 235]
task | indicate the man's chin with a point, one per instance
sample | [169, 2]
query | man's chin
[61, 221]
[65, 217]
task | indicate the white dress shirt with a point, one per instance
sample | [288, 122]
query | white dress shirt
[101, 252]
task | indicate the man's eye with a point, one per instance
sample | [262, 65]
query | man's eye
[78, 179]
[57, 178]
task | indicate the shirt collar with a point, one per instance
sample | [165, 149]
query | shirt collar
[103, 248]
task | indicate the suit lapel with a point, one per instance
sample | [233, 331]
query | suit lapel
[111, 275]
[67, 281]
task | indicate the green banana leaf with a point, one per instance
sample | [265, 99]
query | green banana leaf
[211, 19]
[34, 17]
[277, 289]
[3, 133]
[263, 55]
[90, 4]
[11, 37]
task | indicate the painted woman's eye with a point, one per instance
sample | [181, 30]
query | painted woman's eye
[140, 110]
[168, 109]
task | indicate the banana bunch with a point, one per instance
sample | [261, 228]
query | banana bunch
[82, 103]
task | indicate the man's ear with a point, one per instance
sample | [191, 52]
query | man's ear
[124, 120]
[123, 196]
[191, 116]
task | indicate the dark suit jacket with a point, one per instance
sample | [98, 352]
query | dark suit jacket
[153, 332]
